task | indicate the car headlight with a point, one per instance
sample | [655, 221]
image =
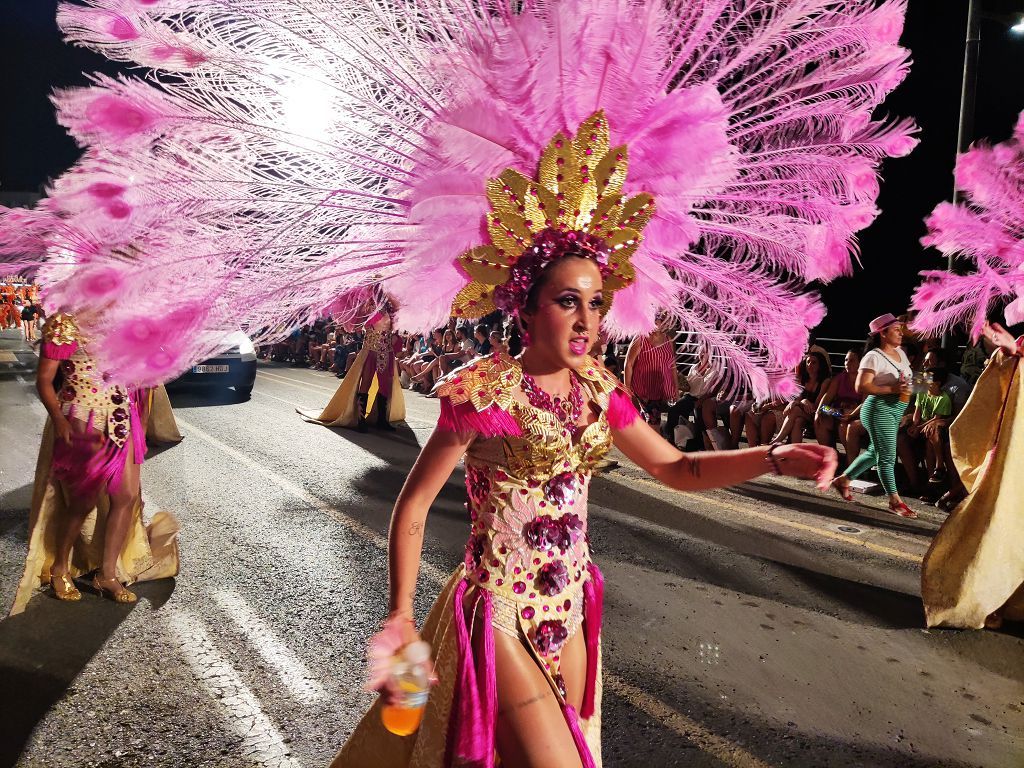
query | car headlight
[246, 347]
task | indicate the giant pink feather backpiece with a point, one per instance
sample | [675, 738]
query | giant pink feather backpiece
[282, 152]
[985, 232]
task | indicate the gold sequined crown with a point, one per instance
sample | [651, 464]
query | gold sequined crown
[578, 189]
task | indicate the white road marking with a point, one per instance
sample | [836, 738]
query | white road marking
[293, 673]
[262, 742]
[746, 511]
[279, 399]
[287, 380]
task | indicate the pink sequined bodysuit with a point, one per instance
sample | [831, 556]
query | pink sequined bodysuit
[527, 477]
[85, 395]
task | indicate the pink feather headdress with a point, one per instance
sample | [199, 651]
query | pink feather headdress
[282, 154]
[987, 232]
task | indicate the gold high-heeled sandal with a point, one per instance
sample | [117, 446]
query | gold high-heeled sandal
[64, 588]
[122, 595]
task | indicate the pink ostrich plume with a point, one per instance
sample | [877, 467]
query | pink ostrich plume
[352, 309]
[986, 232]
[275, 156]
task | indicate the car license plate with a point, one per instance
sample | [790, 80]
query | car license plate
[210, 368]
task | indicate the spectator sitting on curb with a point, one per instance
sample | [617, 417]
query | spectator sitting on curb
[497, 343]
[712, 410]
[928, 429]
[842, 398]
[692, 391]
[815, 376]
[959, 391]
[482, 335]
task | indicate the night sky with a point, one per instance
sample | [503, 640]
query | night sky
[33, 148]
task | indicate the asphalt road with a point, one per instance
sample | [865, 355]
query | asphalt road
[766, 625]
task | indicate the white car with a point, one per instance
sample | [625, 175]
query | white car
[234, 367]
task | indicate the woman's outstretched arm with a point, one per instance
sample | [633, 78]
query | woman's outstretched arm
[717, 469]
[431, 471]
[999, 337]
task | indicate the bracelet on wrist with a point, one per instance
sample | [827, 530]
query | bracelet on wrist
[773, 460]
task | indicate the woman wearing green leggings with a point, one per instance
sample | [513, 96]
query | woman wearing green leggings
[884, 376]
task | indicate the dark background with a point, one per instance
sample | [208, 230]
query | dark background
[33, 59]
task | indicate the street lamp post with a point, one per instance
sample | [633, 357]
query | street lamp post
[968, 97]
[969, 90]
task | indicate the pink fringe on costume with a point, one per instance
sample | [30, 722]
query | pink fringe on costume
[621, 411]
[593, 602]
[88, 469]
[475, 706]
[577, 736]
[53, 351]
[474, 718]
[464, 419]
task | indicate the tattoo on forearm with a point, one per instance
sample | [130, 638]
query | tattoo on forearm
[416, 529]
[693, 467]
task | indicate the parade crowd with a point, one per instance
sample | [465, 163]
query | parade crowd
[681, 396]
[23, 314]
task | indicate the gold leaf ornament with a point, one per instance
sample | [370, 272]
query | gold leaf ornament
[578, 188]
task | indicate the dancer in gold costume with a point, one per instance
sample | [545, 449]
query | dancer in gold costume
[86, 513]
[516, 633]
[371, 385]
[973, 573]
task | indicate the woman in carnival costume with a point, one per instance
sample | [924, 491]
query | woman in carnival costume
[516, 631]
[973, 573]
[86, 513]
[369, 390]
[470, 157]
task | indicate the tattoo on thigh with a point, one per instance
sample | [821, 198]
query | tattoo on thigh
[416, 529]
[526, 702]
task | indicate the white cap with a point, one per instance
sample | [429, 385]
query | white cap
[416, 653]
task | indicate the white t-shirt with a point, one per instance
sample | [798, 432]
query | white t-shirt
[698, 382]
[887, 371]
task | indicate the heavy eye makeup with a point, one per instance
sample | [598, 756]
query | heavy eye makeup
[571, 299]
